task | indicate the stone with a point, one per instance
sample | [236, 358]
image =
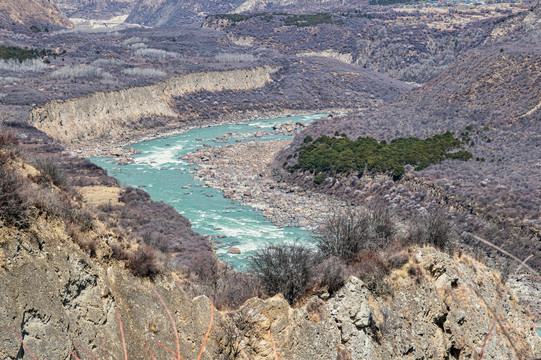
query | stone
[234, 251]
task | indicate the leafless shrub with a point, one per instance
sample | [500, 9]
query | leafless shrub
[108, 62]
[346, 234]
[234, 58]
[144, 72]
[343, 234]
[14, 204]
[372, 269]
[433, 229]
[333, 275]
[83, 219]
[88, 245]
[285, 269]
[233, 329]
[229, 287]
[383, 222]
[33, 65]
[156, 53]
[9, 80]
[143, 262]
[50, 169]
[80, 71]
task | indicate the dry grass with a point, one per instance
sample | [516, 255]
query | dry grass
[100, 195]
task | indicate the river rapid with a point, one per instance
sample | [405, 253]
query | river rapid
[159, 170]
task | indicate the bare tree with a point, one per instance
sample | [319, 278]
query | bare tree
[346, 233]
[285, 269]
[433, 229]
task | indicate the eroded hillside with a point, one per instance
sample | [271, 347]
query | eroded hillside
[95, 116]
[173, 12]
[95, 9]
[495, 94]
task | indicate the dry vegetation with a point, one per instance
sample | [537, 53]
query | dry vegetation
[410, 44]
[364, 242]
[503, 177]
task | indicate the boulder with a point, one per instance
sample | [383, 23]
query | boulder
[234, 251]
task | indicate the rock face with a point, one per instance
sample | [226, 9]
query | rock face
[442, 307]
[22, 14]
[51, 292]
[106, 115]
[57, 298]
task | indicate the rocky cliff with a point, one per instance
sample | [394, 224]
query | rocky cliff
[292, 85]
[59, 300]
[106, 115]
[442, 307]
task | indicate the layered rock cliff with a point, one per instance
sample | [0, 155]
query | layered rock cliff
[106, 115]
[198, 99]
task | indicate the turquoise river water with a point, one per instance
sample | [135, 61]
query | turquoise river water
[168, 179]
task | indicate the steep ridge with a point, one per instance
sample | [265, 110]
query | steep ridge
[413, 48]
[22, 14]
[105, 115]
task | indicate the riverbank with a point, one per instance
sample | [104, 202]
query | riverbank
[120, 147]
[244, 173]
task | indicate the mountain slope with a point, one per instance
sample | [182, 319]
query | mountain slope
[95, 9]
[20, 15]
[170, 12]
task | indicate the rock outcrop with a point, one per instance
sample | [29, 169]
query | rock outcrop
[56, 297]
[59, 300]
[442, 307]
[106, 115]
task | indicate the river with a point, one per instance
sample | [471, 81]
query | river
[159, 171]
